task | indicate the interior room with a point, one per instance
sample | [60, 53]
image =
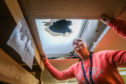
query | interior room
[33, 28]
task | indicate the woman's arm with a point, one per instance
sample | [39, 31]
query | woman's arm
[60, 75]
[117, 57]
[118, 25]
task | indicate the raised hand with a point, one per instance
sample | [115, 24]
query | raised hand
[105, 19]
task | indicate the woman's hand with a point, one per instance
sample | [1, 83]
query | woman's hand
[105, 19]
[43, 57]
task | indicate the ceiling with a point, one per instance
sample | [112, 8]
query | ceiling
[35, 9]
[72, 8]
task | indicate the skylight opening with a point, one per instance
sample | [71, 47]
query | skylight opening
[58, 42]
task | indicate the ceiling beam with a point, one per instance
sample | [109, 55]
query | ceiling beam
[90, 9]
[17, 14]
[12, 72]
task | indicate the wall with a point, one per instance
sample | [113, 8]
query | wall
[111, 41]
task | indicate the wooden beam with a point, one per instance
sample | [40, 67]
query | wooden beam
[14, 9]
[90, 9]
[17, 14]
[12, 72]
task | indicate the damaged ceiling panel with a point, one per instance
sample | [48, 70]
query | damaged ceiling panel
[58, 42]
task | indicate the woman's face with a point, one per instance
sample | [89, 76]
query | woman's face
[80, 48]
[78, 45]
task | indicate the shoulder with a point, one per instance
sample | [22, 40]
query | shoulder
[105, 54]
[108, 52]
[102, 53]
[76, 65]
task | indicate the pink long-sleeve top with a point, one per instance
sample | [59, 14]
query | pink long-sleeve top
[105, 63]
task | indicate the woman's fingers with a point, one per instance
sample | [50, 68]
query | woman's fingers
[105, 19]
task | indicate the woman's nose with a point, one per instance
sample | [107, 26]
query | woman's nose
[77, 43]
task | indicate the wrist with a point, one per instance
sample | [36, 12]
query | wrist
[43, 57]
[106, 19]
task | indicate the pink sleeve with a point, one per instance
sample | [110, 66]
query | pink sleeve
[117, 57]
[119, 26]
[60, 75]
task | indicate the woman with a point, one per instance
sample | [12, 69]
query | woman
[96, 68]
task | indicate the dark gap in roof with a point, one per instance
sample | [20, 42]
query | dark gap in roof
[61, 26]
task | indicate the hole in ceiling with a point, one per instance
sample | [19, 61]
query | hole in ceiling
[56, 39]
[58, 42]
[61, 26]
